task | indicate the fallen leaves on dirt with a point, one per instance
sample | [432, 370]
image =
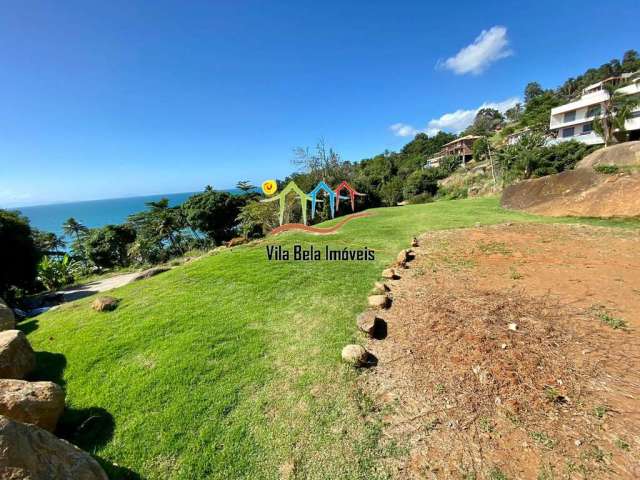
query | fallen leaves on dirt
[487, 374]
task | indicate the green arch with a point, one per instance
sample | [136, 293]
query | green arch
[291, 187]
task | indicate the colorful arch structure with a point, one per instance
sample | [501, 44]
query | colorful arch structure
[313, 194]
[282, 197]
[352, 195]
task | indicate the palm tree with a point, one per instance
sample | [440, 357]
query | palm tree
[74, 228]
[615, 111]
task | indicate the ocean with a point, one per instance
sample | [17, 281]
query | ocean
[94, 213]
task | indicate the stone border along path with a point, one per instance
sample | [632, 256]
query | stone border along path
[369, 321]
[29, 411]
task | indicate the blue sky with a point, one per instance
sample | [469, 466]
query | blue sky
[122, 98]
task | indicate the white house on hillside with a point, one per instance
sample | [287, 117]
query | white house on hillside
[574, 121]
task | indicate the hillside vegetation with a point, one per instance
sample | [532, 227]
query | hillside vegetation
[229, 366]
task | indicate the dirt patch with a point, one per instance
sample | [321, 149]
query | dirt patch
[512, 352]
[583, 191]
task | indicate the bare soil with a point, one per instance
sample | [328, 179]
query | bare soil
[502, 360]
[583, 192]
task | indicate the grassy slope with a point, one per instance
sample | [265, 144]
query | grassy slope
[229, 367]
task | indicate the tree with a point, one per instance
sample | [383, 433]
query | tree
[159, 227]
[486, 121]
[48, 243]
[257, 218]
[107, 247]
[531, 91]
[19, 255]
[322, 164]
[213, 213]
[245, 186]
[630, 62]
[74, 228]
[391, 191]
[615, 111]
[514, 113]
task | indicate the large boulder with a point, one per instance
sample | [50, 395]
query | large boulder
[39, 403]
[31, 453]
[151, 272]
[623, 155]
[17, 359]
[7, 319]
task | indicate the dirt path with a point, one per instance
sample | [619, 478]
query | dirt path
[502, 360]
[97, 286]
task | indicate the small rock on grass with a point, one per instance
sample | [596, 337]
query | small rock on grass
[381, 286]
[105, 304]
[371, 324]
[355, 355]
[513, 327]
[390, 274]
[378, 301]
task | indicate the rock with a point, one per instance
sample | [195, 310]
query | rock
[381, 286]
[105, 304]
[17, 359]
[414, 242]
[389, 273]
[234, 242]
[371, 324]
[31, 453]
[152, 272]
[39, 403]
[378, 301]
[355, 355]
[7, 319]
[513, 326]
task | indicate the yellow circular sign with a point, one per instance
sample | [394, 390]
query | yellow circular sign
[269, 187]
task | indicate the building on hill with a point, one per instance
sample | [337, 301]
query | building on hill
[460, 148]
[516, 136]
[574, 120]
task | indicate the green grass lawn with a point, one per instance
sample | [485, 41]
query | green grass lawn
[229, 366]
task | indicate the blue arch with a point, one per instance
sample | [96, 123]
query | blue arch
[314, 193]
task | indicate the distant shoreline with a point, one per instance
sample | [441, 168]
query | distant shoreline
[96, 213]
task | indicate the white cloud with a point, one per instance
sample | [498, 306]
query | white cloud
[403, 130]
[454, 121]
[491, 45]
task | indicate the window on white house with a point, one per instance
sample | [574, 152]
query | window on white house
[593, 111]
[587, 128]
[567, 132]
[570, 116]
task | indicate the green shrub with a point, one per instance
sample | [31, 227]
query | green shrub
[56, 272]
[607, 169]
[421, 198]
[453, 193]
